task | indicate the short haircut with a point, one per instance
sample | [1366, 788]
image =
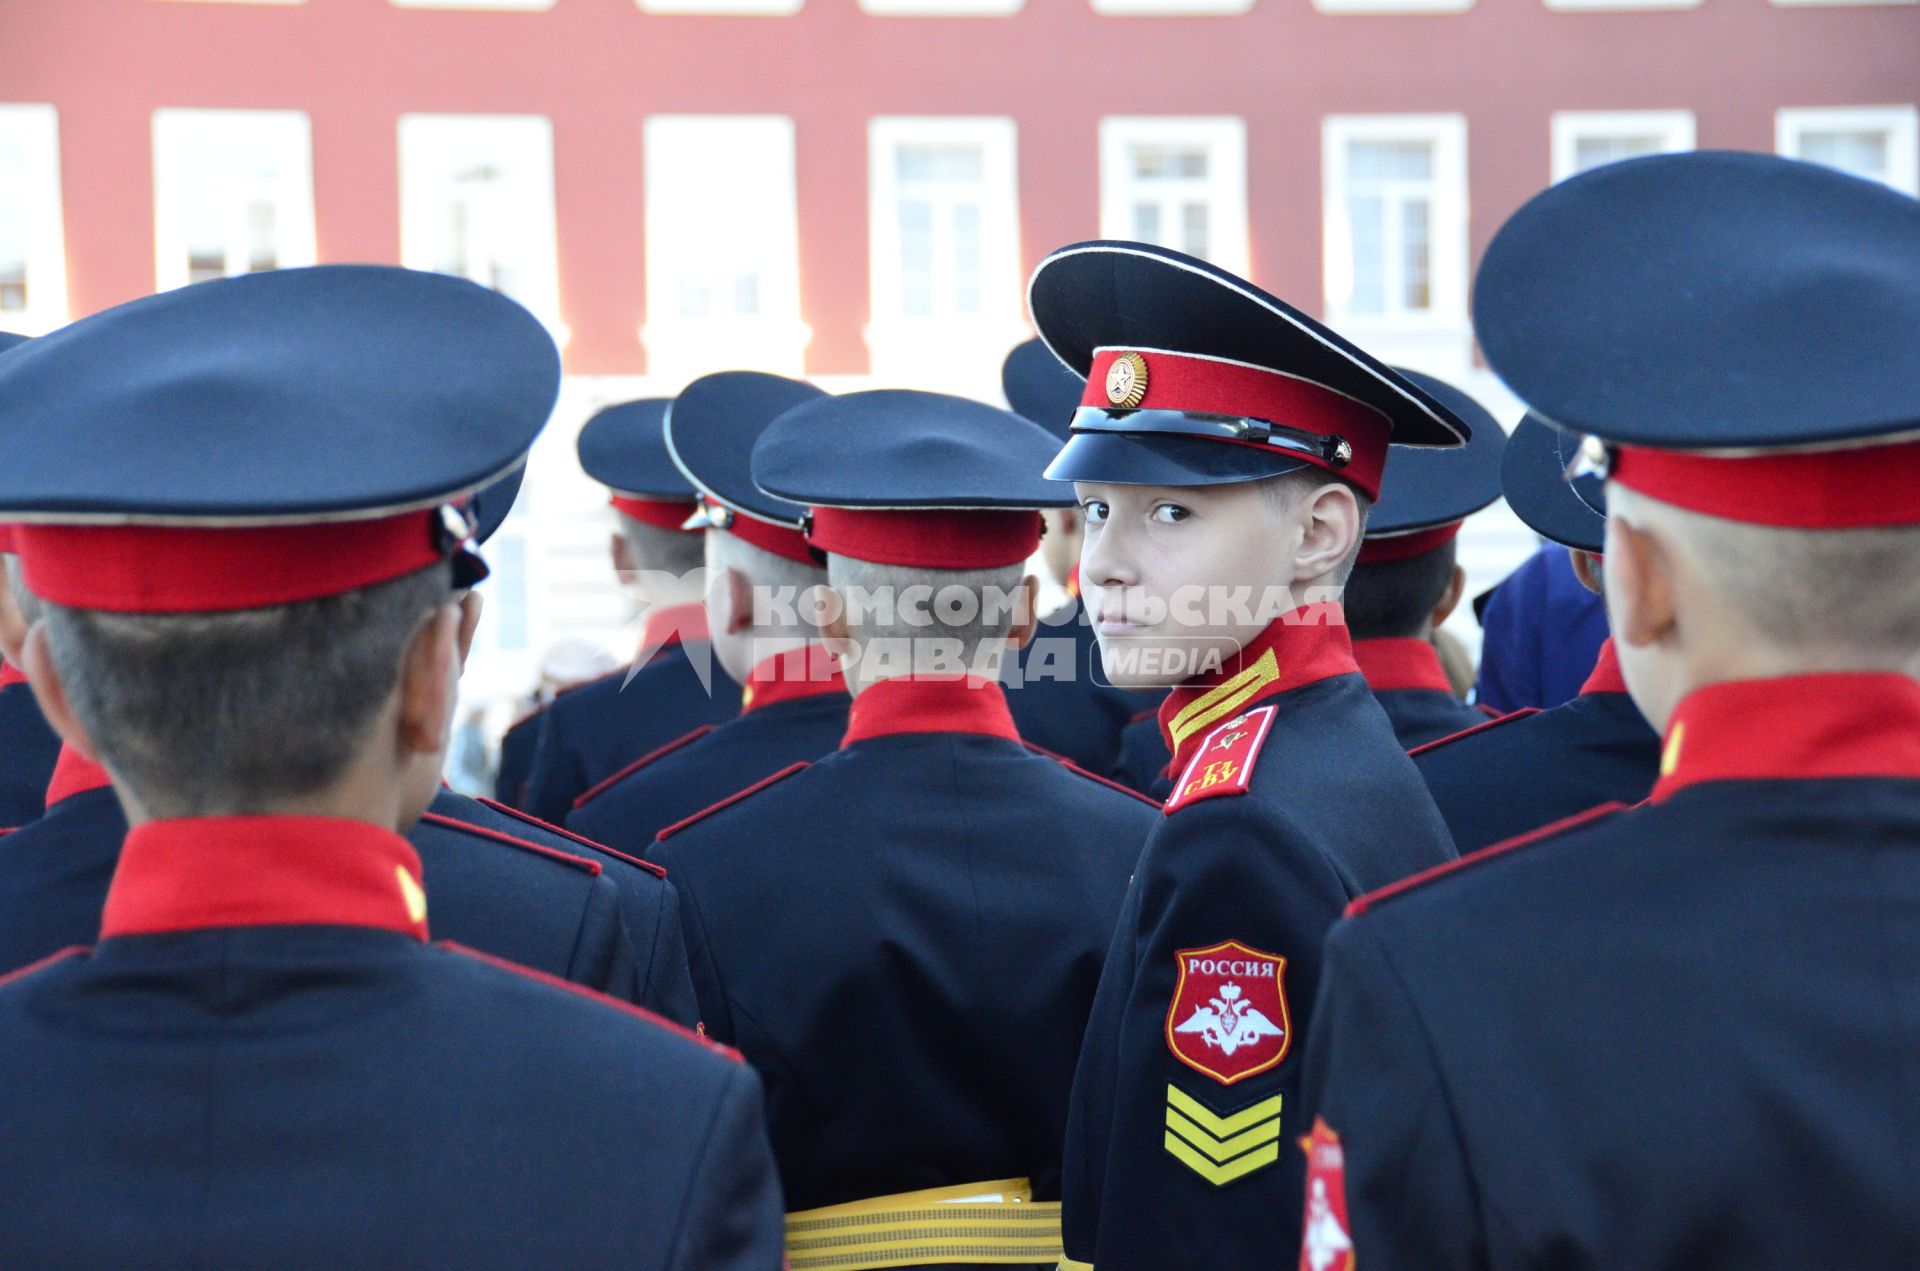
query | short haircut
[1840, 597]
[783, 580]
[25, 601]
[676, 552]
[231, 713]
[1286, 490]
[1395, 599]
[959, 619]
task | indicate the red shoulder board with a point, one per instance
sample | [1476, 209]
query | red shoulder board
[581, 839]
[1075, 768]
[538, 849]
[1224, 764]
[1495, 722]
[732, 799]
[1553, 829]
[595, 791]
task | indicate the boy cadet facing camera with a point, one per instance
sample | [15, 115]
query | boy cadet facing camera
[1226, 454]
[254, 630]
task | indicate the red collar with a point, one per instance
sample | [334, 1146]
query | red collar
[1606, 677]
[669, 625]
[1301, 647]
[789, 676]
[260, 871]
[1800, 726]
[11, 675]
[929, 704]
[1391, 664]
[74, 773]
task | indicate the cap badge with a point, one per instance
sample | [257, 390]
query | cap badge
[1127, 381]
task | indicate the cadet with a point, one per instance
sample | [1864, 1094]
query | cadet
[1541, 629]
[27, 744]
[1228, 447]
[1682, 1035]
[264, 1054]
[514, 890]
[904, 937]
[1531, 768]
[1408, 581]
[587, 735]
[760, 570]
[1059, 692]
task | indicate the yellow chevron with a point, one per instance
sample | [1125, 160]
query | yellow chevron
[1223, 1149]
[1221, 1175]
[1229, 696]
[1212, 1122]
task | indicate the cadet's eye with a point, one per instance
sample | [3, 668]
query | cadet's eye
[1096, 510]
[1170, 513]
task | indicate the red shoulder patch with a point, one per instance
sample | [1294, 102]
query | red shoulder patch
[21, 973]
[1224, 763]
[1109, 782]
[581, 839]
[639, 1012]
[1228, 1017]
[539, 849]
[599, 788]
[1361, 904]
[1495, 722]
[733, 798]
[1326, 1236]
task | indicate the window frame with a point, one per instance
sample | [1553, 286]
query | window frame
[45, 256]
[296, 242]
[1223, 137]
[1448, 265]
[1678, 129]
[1901, 123]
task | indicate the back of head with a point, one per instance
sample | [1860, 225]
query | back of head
[909, 619]
[1396, 599]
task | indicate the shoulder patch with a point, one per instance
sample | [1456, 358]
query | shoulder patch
[733, 798]
[539, 849]
[1075, 768]
[21, 973]
[599, 788]
[581, 839]
[1495, 722]
[1373, 899]
[1224, 763]
[581, 990]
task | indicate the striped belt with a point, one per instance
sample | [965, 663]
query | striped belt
[983, 1224]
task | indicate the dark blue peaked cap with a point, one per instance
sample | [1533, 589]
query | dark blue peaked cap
[276, 396]
[712, 427]
[8, 340]
[1709, 301]
[1425, 487]
[491, 504]
[624, 447]
[1039, 386]
[1571, 511]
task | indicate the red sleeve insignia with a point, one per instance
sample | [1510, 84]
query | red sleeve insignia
[1228, 1018]
[1326, 1240]
[1224, 763]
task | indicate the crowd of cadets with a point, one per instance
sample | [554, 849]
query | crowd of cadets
[1156, 932]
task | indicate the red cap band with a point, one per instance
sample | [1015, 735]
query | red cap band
[194, 569]
[666, 514]
[1185, 382]
[6, 539]
[1850, 489]
[778, 539]
[1406, 546]
[928, 538]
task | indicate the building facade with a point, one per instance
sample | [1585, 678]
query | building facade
[856, 190]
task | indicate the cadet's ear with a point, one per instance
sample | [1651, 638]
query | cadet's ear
[1639, 584]
[828, 611]
[13, 624]
[1329, 521]
[428, 683]
[471, 606]
[622, 553]
[1450, 598]
[739, 592]
[36, 659]
[1587, 567]
[1026, 613]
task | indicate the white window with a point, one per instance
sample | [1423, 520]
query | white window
[1171, 8]
[1396, 218]
[33, 254]
[233, 193]
[723, 245]
[1179, 183]
[1585, 139]
[1881, 143]
[476, 200]
[1621, 5]
[945, 244]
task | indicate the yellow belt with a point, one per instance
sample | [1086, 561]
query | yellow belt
[986, 1224]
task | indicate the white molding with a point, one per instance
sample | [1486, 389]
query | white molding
[1388, 7]
[1222, 139]
[1171, 8]
[516, 222]
[1672, 130]
[476, 5]
[30, 135]
[219, 158]
[942, 8]
[722, 204]
[1900, 124]
[1445, 318]
[929, 347]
